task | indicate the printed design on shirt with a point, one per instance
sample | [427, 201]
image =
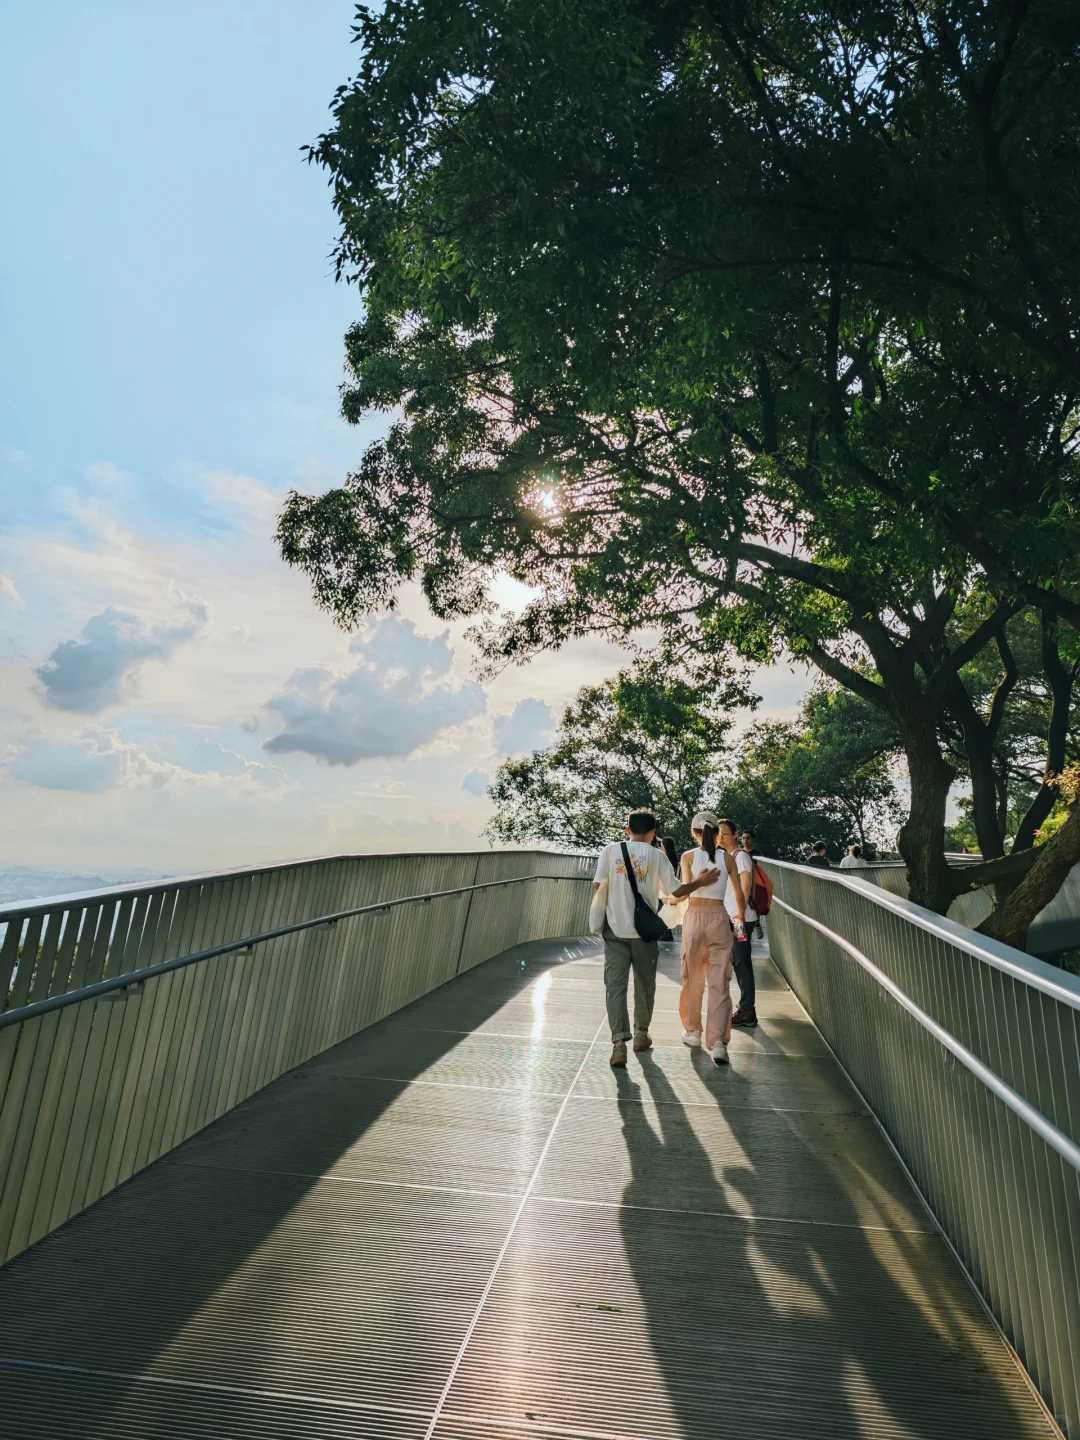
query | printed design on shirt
[641, 868]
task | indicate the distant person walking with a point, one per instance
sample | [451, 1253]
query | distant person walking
[624, 947]
[749, 844]
[740, 889]
[707, 939]
[853, 860]
[818, 858]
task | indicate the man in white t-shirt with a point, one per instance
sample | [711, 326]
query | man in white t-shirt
[624, 949]
[853, 860]
[728, 835]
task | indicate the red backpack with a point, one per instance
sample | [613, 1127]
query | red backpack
[761, 896]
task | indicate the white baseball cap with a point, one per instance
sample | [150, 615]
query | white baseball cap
[703, 818]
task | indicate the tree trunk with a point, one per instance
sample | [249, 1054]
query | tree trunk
[984, 794]
[979, 736]
[1001, 777]
[1060, 678]
[1010, 921]
[922, 837]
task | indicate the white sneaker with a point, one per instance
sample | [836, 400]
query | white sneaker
[719, 1053]
[691, 1038]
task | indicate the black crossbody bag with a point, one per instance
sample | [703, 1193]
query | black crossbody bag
[647, 922]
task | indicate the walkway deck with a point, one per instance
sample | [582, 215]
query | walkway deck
[462, 1224]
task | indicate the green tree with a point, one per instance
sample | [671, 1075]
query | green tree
[641, 738]
[756, 325]
[827, 776]
[644, 738]
[1014, 721]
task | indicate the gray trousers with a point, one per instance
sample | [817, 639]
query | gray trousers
[620, 957]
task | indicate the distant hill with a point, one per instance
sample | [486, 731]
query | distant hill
[21, 882]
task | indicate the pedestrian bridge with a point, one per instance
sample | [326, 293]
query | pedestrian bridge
[333, 1149]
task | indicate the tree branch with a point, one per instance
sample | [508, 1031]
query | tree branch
[1006, 869]
[1049, 865]
[981, 102]
[1061, 679]
[932, 627]
[819, 577]
[1053, 601]
[847, 676]
[1008, 683]
[976, 641]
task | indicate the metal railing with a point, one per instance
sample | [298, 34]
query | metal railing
[967, 1052]
[969, 909]
[1055, 928]
[226, 981]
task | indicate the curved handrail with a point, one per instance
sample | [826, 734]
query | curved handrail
[129, 978]
[24, 910]
[1047, 978]
[955, 859]
[1065, 1146]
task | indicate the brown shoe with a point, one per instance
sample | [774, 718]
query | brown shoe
[642, 1040]
[746, 1016]
[618, 1053]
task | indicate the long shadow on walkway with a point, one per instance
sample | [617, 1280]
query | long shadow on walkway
[309, 1243]
[775, 1328]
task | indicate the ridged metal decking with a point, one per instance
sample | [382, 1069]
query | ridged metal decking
[461, 1224]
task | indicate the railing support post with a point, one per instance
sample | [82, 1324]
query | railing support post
[465, 922]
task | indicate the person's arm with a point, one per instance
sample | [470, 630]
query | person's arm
[601, 871]
[746, 877]
[698, 883]
[690, 882]
[736, 884]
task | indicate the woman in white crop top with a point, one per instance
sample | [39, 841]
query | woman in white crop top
[706, 941]
[701, 860]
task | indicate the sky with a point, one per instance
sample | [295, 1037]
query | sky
[170, 697]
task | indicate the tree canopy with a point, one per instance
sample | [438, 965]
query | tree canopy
[646, 739]
[1014, 728]
[753, 323]
[642, 738]
[826, 776]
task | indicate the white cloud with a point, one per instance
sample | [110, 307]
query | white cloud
[397, 699]
[530, 725]
[99, 668]
[65, 767]
[395, 647]
[385, 789]
[178, 791]
[255, 505]
[17, 459]
[100, 759]
[476, 782]
[9, 590]
[213, 758]
[512, 595]
[108, 476]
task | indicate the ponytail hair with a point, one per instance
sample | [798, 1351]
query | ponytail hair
[708, 840]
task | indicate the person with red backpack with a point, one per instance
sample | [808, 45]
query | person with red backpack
[761, 895]
[746, 1015]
